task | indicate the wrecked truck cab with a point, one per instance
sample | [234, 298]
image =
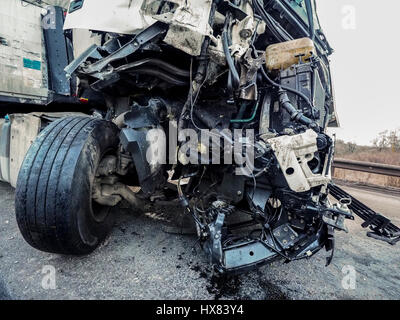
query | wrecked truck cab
[220, 106]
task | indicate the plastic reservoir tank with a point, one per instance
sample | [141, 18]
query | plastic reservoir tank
[281, 56]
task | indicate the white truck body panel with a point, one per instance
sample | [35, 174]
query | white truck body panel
[119, 16]
[188, 19]
[23, 65]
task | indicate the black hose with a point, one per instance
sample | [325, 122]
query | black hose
[204, 58]
[326, 118]
[294, 113]
[287, 105]
[230, 87]
[258, 9]
[229, 59]
[280, 86]
[155, 62]
[201, 76]
[161, 75]
[310, 16]
[277, 31]
[231, 64]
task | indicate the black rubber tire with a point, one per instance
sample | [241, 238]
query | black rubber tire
[53, 202]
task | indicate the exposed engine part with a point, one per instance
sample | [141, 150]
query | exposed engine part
[108, 192]
[294, 153]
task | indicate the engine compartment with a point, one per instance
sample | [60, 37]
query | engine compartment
[239, 96]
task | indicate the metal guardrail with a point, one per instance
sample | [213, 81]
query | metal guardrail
[376, 168]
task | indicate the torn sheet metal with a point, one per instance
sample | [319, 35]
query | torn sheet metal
[188, 25]
[242, 34]
[118, 16]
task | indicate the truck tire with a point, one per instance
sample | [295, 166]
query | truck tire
[53, 204]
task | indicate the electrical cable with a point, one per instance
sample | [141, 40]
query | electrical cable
[280, 86]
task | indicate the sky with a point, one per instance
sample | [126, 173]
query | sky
[365, 66]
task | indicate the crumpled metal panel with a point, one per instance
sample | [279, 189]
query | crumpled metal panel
[188, 25]
[119, 16]
[188, 19]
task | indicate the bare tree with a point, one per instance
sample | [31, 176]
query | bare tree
[388, 139]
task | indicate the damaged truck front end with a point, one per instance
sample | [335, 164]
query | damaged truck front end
[239, 96]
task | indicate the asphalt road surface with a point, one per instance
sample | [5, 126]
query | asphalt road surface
[140, 261]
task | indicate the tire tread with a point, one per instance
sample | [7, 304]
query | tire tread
[41, 219]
